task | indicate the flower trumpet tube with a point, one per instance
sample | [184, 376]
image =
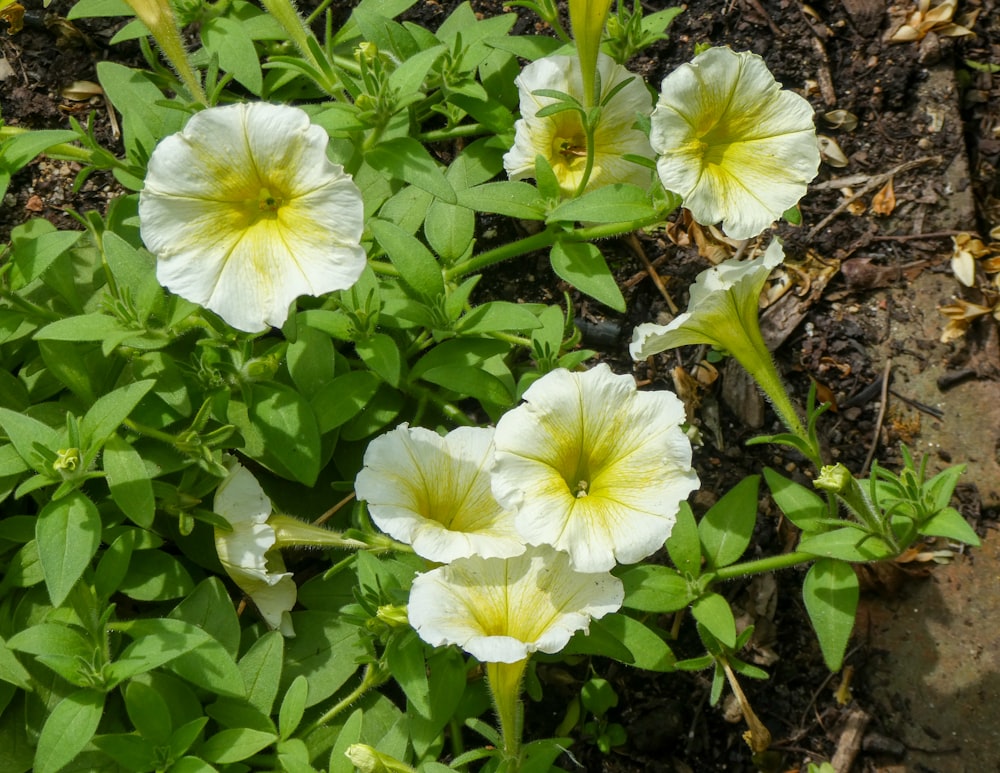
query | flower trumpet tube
[733, 144]
[159, 19]
[594, 467]
[433, 493]
[502, 610]
[722, 312]
[587, 18]
[244, 213]
[581, 153]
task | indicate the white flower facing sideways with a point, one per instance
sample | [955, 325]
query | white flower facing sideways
[246, 552]
[593, 466]
[561, 139]
[433, 493]
[732, 144]
[501, 610]
[245, 213]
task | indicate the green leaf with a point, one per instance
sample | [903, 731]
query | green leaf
[485, 387]
[261, 669]
[310, 358]
[349, 734]
[713, 612]
[129, 482]
[684, 544]
[290, 432]
[68, 729]
[951, 524]
[648, 650]
[85, 327]
[514, 199]
[497, 316]
[24, 432]
[293, 706]
[801, 506]
[135, 95]
[149, 712]
[418, 267]
[210, 608]
[11, 670]
[155, 576]
[129, 751]
[228, 38]
[19, 150]
[652, 588]
[408, 78]
[34, 255]
[405, 659]
[404, 158]
[156, 641]
[726, 529]
[68, 533]
[135, 271]
[450, 230]
[830, 593]
[848, 543]
[381, 354]
[619, 203]
[325, 649]
[583, 266]
[110, 410]
[344, 398]
[228, 746]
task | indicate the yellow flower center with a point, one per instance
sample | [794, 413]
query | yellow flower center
[268, 203]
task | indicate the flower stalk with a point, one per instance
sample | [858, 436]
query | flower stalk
[505, 685]
[159, 18]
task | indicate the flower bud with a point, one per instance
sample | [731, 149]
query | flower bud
[834, 478]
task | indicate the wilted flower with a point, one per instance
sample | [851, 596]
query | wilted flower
[722, 312]
[593, 466]
[561, 138]
[433, 493]
[244, 213]
[732, 143]
[500, 610]
[248, 552]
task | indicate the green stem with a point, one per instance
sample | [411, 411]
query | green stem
[383, 268]
[374, 676]
[762, 565]
[547, 238]
[465, 130]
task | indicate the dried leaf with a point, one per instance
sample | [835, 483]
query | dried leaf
[884, 202]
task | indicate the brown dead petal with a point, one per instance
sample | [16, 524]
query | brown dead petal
[34, 204]
[990, 265]
[841, 119]
[705, 373]
[962, 309]
[884, 202]
[963, 266]
[995, 230]
[81, 91]
[830, 152]
[687, 388]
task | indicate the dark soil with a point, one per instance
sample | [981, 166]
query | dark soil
[918, 105]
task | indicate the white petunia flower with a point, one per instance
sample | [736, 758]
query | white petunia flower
[245, 213]
[722, 311]
[433, 493]
[560, 138]
[593, 466]
[246, 551]
[502, 610]
[733, 145]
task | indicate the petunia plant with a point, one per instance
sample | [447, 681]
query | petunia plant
[282, 488]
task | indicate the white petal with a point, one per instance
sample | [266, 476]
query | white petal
[594, 467]
[240, 498]
[502, 610]
[733, 145]
[433, 492]
[244, 213]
